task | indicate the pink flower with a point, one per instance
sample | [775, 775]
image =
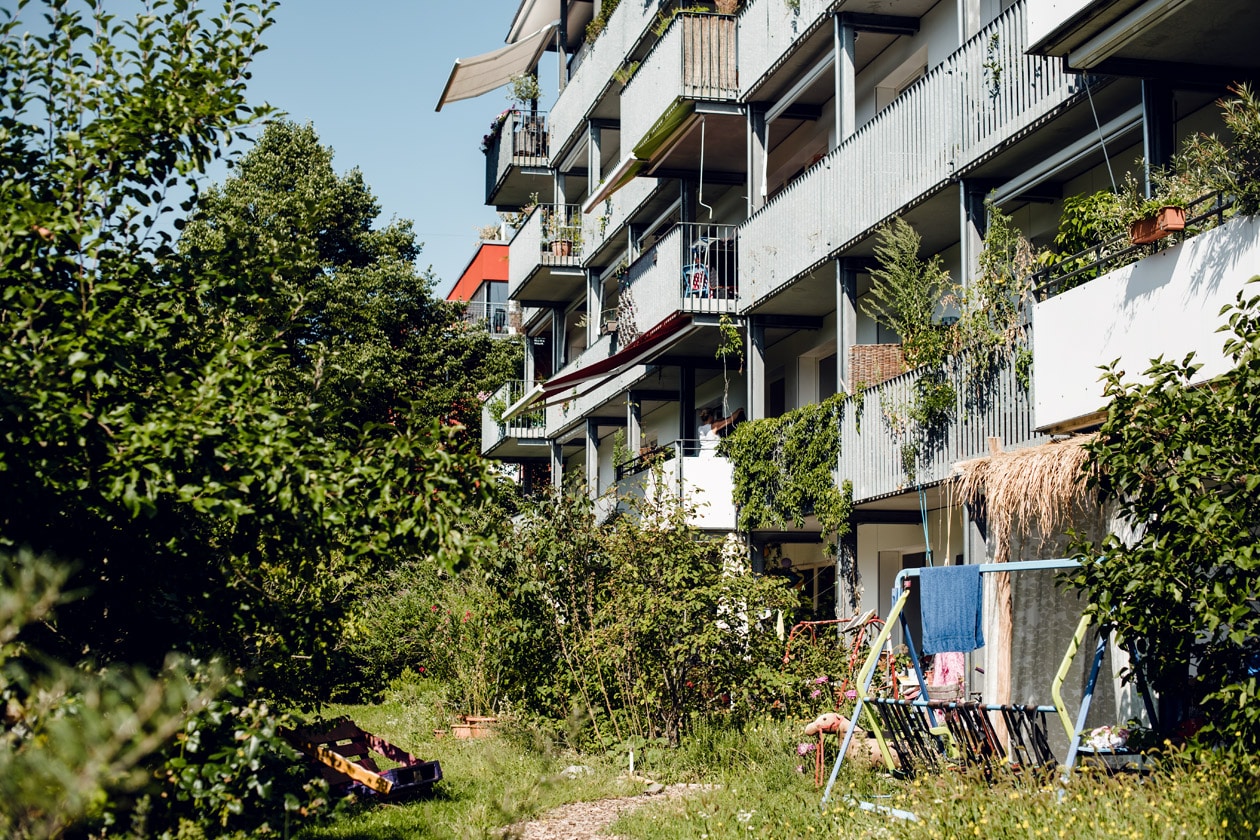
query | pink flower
[851, 694]
[815, 694]
[821, 680]
[805, 749]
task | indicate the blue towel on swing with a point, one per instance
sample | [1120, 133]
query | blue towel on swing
[950, 599]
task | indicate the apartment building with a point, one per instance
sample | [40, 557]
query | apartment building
[702, 172]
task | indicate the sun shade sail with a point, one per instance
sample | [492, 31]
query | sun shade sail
[483, 73]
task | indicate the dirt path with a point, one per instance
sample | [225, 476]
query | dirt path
[588, 820]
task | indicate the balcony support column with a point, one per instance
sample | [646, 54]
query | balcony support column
[592, 458]
[1158, 128]
[687, 403]
[846, 321]
[758, 149]
[755, 366]
[845, 36]
[973, 220]
[594, 307]
[848, 579]
[557, 338]
[557, 464]
[634, 424]
[594, 155]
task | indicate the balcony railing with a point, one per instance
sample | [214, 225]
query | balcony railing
[492, 316]
[1203, 214]
[550, 236]
[592, 80]
[520, 141]
[957, 114]
[694, 60]
[692, 268]
[778, 28]
[692, 472]
[494, 431]
[883, 451]
[608, 219]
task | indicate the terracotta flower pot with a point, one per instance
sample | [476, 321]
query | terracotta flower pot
[561, 247]
[1166, 221]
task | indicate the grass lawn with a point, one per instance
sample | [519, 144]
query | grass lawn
[757, 790]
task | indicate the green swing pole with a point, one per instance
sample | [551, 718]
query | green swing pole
[865, 675]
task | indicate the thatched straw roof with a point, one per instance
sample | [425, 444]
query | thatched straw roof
[1036, 486]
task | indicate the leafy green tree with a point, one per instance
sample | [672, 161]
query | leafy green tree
[302, 265]
[148, 432]
[1182, 466]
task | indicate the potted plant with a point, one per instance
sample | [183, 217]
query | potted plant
[563, 238]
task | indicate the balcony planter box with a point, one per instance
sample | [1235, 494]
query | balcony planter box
[1167, 220]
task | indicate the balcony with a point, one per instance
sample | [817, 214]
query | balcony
[883, 452]
[522, 436]
[545, 257]
[491, 317]
[690, 471]
[693, 268]
[589, 92]
[693, 61]
[1166, 304]
[605, 224]
[516, 159]
[950, 119]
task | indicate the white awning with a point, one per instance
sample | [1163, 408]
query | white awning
[483, 73]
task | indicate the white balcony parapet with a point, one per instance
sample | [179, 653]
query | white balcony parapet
[693, 473]
[953, 117]
[593, 79]
[882, 451]
[694, 60]
[1167, 304]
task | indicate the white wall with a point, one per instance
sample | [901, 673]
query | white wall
[945, 531]
[1167, 304]
[1044, 16]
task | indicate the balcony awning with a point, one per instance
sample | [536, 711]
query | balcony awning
[656, 340]
[621, 175]
[483, 73]
[664, 334]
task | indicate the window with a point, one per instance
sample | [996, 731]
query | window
[896, 82]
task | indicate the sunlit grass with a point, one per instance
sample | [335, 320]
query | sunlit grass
[752, 783]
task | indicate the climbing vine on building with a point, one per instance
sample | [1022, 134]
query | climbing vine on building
[785, 470]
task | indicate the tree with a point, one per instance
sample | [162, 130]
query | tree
[302, 265]
[1182, 466]
[149, 432]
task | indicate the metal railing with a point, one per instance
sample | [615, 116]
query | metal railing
[593, 79]
[695, 59]
[521, 140]
[778, 28]
[608, 220]
[884, 451]
[493, 316]
[692, 268]
[551, 235]
[954, 116]
[495, 430]
[1202, 215]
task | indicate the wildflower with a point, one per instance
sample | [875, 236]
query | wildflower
[821, 680]
[815, 694]
[805, 749]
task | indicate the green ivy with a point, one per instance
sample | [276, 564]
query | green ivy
[785, 469]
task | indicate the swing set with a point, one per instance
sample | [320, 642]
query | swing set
[917, 735]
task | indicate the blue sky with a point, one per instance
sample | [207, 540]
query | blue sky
[368, 75]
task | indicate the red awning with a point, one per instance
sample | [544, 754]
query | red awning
[667, 332]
